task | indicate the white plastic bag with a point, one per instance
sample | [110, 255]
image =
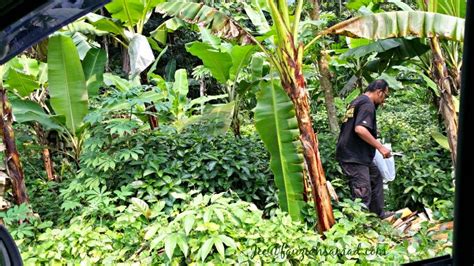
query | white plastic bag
[385, 166]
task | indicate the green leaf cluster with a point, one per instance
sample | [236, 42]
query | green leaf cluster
[218, 229]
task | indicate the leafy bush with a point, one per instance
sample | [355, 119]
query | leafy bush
[22, 223]
[424, 171]
[121, 156]
[223, 230]
[90, 241]
[43, 194]
[443, 210]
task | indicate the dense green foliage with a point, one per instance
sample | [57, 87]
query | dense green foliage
[146, 216]
[424, 170]
[188, 191]
[219, 229]
[126, 167]
[166, 165]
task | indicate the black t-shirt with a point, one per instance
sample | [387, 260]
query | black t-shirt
[350, 147]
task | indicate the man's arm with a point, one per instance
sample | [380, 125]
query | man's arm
[364, 134]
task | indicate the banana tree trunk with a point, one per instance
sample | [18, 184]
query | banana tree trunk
[47, 160]
[311, 153]
[125, 61]
[48, 164]
[326, 87]
[446, 105]
[295, 85]
[12, 158]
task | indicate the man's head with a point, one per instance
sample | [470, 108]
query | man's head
[377, 91]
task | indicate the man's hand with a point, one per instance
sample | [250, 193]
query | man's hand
[367, 137]
[386, 153]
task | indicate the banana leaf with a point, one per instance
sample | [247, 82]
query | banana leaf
[93, 65]
[67, 85]
[198, 13]
[277, 126]
[401, 24]
[219, 63]
[28, 111]
[127, 11]
[390, 49]
[20, 82]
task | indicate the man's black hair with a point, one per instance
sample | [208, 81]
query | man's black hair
[379, 84]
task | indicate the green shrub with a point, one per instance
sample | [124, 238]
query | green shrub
[224, 230]
[43, 194]
[21, 223]
[424, 171]
[121, 156]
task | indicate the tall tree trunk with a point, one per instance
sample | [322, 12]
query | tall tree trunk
[48, 164]
[295, 85]
[12, 158]
[326, 84]
[446, 105]
[326, 87]
[105, 43]
[125, 61]
[47, 160]
[310, 143]
[315, 11]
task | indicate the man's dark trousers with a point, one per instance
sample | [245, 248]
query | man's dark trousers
[366, 183]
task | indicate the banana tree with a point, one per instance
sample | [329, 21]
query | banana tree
[68, 88]
[225, 64]
[286, 58]
[446, 70]
[53, 95]
[26, 78]
[413, 24]
[125, 26]
[12, 158]
[453, 50]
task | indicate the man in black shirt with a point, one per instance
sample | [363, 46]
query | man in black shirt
[357, 144]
